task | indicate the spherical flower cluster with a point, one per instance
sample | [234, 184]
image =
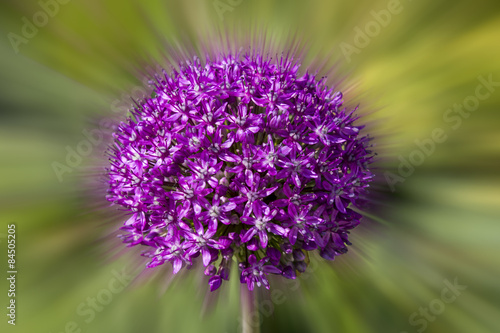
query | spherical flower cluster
[239, 157]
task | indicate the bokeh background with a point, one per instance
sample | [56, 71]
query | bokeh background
[441, 223]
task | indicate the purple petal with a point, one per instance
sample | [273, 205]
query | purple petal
[213, 182]
[252, 260]
[312, 219]
[227, 144]
[247, 220]
[248, 235]
[298, 255]
[212, 228]
[249, 178]
[274, 255]
[308, 197]
[131, 220]
[327, 253]
[280, 203]
[287, 191]
[197, 226]
[214, 282]
[292, 235]
[228, 206]
[174, 117]
[339, 204]
[196, 208]
[292, 211]
[253, 245]
[257, 209]
[318, 239]
[270, 190]
[207, 257]
[223, 242]
[308, 173]
[177, 265]
[276, 229]
[263, 239]
[289, 273]
[283, 173]
[224, 273]
[210, 270]
[253, 129]
[327, 186]
[250, 285]
[271, 269]
[229, 157]
[296, 179]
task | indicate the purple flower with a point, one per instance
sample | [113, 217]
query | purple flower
[254, 190]
[261, 224]
[254, 273]
[302, 223]
[239, 156]
[296, 196]
[218, 211]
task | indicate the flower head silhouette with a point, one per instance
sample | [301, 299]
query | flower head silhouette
[239, 158]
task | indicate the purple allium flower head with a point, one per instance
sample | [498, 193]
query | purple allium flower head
[239, 157]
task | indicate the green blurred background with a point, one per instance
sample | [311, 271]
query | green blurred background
[441, 223]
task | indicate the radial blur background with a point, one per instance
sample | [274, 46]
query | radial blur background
[410, 60]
